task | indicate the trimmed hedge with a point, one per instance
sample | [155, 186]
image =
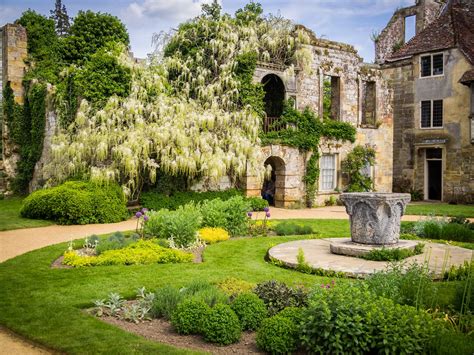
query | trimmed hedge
[77, 202]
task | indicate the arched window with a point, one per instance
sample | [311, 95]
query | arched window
[274, 98]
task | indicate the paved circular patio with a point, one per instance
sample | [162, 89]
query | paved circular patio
[318, 256]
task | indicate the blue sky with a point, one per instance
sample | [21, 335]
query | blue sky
[349, 21]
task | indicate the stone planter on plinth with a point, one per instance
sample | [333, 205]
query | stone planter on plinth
[375, 217]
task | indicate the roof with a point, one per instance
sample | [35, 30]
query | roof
[453, 28]
[467, 78]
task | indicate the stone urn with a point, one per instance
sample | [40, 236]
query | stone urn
[375, 217]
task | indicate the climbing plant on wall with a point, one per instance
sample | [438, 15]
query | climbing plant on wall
[304, 131]
[354, 166]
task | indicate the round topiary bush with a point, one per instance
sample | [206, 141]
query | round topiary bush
[222, 325]
[295, 314]
[77, 202]
[250, 309]
[277, 335]
[189, 315]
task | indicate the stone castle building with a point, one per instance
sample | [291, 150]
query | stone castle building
[414, 106]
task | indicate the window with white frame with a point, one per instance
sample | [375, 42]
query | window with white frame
[328, 172]
[431, 113]
[431, 65]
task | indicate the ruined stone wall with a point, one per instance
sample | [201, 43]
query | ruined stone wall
[393, 35]
[14, 53]
[411, 141]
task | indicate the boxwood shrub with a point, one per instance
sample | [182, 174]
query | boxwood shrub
[222, 325]
[77, 202]
[250, 309]
[189, 315]
[277, 335]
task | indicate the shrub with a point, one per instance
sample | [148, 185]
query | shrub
[77, 202]
[230, 215]
[166, 300]
[353, 320]
[457, 229]
[180, 226]
[277, 296]
[250, 309]
[139, 253]
[458, 232]
[211, 296]
[115, 241]
[189, 315]
[277, 335]
[257, 203]
[295, 314]
[232, 286]
[158, 200]
[291, 228]
[395, 254]
[222, 325]
[411, 286]
[213, 235]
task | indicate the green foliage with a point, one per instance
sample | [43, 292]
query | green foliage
[461, 272]
[250, 309]
[140, 253]
[77, 202]
[179, 226]
[352, 319]
[12, 114]
[232, 286]
[250, 93]
[278, 296]
[277, 335]
[433, 228]
[222, 325]
[311, 177]
[230, 215]
[295, 314]
[394, 254]
[189, 316]
[30, 136]
[115, 241]
[257, 203]
[166, 300]
[292, 228]
[412, 286]
[166, 197]
[90, 32]
[102, 76]
[61, 18]
[353, 167]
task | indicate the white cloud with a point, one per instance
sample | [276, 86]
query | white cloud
[8, 14]
[169, 10]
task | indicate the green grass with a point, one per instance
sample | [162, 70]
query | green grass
[10, 216]
[440, 209]
[46, 305]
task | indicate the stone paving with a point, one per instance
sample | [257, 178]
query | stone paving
[318, 255]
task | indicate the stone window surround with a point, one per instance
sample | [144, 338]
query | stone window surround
[361, 82]
[322, 74]
[431, 117]
[430, 55]
[336, 174]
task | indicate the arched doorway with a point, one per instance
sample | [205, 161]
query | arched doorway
[273, 189]
[274, 98]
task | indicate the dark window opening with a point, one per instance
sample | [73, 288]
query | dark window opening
[410, 27]
[426, 66]
[274, 99]
[368, 103]
[331, 97]
[438, 64]
[432, 113]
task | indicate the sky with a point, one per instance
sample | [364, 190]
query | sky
[348, 21]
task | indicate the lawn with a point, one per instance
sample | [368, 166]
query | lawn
[440, 209]
[45, 305]
[10, 216]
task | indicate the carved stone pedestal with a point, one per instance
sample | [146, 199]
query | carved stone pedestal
[375, 217]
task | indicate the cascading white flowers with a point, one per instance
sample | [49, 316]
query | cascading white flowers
[182, 115]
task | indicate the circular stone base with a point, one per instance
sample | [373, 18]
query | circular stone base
[318, 255]
[345, 246]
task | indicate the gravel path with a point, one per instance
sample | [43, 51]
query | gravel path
[20, 241]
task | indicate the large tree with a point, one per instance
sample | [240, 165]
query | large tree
[61, 18]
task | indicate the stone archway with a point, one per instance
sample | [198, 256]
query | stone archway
[273, 187]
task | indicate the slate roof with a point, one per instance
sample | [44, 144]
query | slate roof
[453, 28]
[468, 77]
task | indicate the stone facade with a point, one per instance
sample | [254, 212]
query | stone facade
[14, 54]
[342, 63]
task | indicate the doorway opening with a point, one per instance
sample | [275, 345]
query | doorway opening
[273, 189]
[274, 100]
[434, 174]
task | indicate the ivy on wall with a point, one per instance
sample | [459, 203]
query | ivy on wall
[304, 131]
[354, 165]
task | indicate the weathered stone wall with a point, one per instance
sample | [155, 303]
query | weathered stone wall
[393, 35]
[14, 53]
[411, 141]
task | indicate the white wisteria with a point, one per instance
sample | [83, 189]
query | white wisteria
[182, 115]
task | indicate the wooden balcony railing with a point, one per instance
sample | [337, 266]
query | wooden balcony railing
[271, 124]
